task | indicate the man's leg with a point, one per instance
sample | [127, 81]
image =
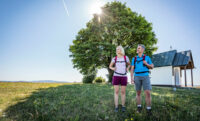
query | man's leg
[138, 85]
[138, 97]
[147, 90]
[148, 98]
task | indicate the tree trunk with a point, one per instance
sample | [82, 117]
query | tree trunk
[110, 74]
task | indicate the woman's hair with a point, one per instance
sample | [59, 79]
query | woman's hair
[122, 49]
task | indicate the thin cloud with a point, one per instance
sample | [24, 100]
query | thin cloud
[65, 6]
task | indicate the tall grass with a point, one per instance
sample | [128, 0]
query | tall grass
[92, 102]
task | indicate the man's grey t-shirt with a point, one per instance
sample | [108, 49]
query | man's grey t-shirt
[120, 65]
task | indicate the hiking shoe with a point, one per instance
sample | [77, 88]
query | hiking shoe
[139, 109]
[149, 113]
[116, 110]
[123, 109]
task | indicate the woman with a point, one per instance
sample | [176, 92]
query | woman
[119, 77]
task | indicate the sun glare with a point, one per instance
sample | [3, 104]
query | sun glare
[96, 7]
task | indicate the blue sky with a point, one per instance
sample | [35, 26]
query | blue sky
[35, 35]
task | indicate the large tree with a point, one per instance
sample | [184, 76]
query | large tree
[95, 45]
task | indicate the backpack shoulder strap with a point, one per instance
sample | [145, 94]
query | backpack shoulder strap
[125, 58]
[144, 57]
[135, 61]
[115, 59]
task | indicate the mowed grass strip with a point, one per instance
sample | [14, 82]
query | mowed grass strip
[86, 102]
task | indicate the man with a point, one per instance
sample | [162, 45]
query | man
[140, 66]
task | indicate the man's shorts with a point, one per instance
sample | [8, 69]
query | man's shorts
[142, 81]
[119, 80]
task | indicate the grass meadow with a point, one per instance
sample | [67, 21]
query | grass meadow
[92, 102]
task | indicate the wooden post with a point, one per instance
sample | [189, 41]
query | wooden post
[192, 76]
[181, 77]
[185, 77]
[173, 74]
[175, 78]
[180, 72]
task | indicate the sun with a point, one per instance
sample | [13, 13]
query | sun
[95, 7]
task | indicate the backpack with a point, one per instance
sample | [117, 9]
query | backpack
[125, 68]
[116, 59]
[143, 58]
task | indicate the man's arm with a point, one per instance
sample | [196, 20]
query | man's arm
[148, 63]
[150, 66]
[132, 79]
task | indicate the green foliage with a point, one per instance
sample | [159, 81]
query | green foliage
[99, 80]
[95, 45]
[89, 78]
[86, 102]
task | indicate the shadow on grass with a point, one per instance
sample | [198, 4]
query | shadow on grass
[92, 102]
[68, 102]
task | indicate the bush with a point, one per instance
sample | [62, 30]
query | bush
[89, 78]
[99, 80]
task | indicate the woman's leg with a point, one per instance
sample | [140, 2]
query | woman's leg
[123, 95]
[116, 95]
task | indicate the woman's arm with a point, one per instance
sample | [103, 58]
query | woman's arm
[129, 65]
[111, 66]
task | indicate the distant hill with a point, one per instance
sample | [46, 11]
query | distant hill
[38, 81]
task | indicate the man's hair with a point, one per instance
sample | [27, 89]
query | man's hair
[142, 46]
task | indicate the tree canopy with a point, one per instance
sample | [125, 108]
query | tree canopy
[95, 45]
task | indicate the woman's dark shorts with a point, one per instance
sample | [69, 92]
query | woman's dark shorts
[119, 80]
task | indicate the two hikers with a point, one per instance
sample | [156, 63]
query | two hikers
[139, 76]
